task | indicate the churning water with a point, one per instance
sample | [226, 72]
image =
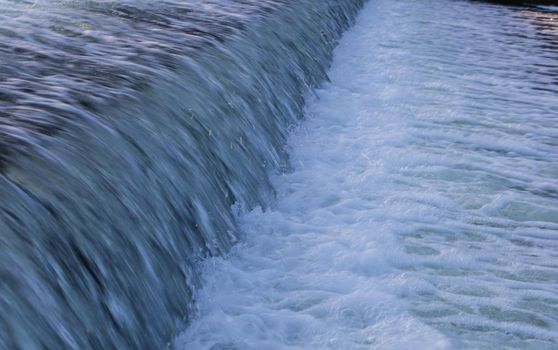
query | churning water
[415, 207]
[421, 210]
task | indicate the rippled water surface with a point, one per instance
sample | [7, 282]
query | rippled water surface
[422, 206]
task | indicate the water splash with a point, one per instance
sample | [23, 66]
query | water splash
[421, 211]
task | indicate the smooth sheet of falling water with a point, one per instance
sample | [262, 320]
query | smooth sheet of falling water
[128, 129]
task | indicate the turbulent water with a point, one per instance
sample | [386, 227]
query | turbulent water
[421, 209]
[128, 129]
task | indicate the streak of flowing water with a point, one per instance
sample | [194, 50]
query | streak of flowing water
[128, 128]
[422, 206]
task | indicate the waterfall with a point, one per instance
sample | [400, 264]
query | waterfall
[128, 131]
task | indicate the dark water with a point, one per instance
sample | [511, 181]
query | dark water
[128, 129]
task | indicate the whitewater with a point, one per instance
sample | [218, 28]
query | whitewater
[419, 208]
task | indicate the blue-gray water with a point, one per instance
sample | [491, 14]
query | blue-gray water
[421, 208]
[418, 205]
[128, 129]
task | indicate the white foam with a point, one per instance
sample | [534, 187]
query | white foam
[401, 223]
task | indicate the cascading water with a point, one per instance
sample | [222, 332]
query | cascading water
[421, 207]
[128, 129]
